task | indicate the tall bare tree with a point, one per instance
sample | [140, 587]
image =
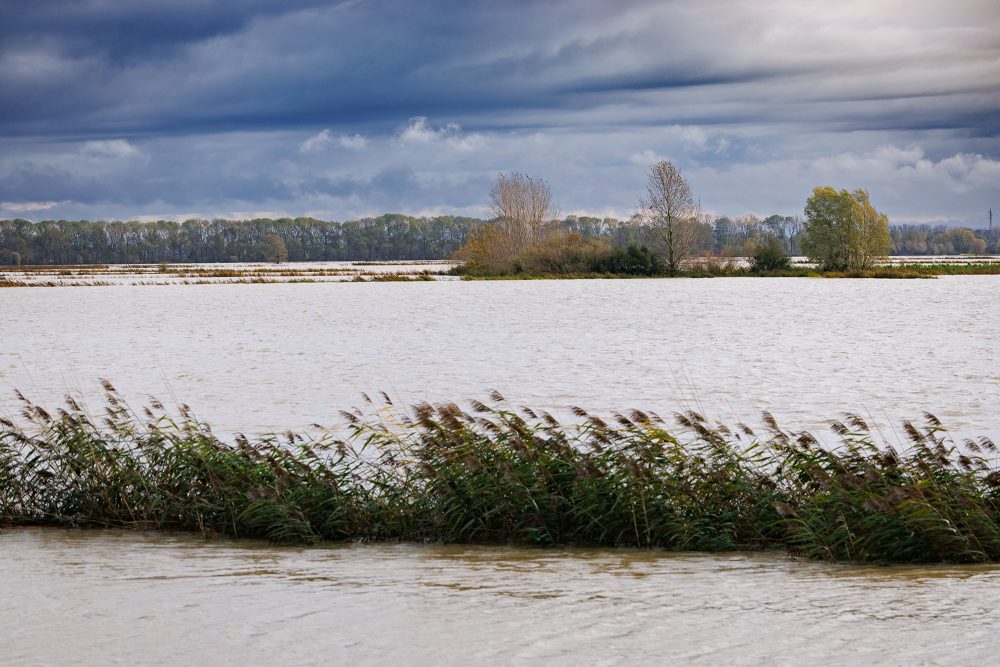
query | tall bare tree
[670, 211]
[521, 206]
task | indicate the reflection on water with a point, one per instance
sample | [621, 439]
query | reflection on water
[98, 597]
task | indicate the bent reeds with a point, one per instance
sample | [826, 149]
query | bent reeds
[494, 474]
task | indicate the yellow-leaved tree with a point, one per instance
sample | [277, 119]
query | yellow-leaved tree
[843, 231]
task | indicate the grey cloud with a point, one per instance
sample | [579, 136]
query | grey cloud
[223, 107]
[275, 65]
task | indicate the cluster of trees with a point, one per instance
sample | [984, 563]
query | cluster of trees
[524, 237]
[667, 230]
[842, 231]
[722, 236]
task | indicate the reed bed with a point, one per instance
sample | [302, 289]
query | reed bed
[497, 474]
[394, 277]
[5, 282]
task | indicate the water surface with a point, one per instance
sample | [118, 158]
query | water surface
[253, 358]
[112, 597]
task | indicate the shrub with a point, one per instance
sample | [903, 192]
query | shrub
[485, 252]
[564, 252]
[769, 255]
[633, 260]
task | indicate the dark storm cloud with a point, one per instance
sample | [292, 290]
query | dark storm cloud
[88, 68]
[78, 69]
[127, 29]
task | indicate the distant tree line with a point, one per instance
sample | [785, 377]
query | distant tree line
[941, 240]
[400, 237]
[389, 237]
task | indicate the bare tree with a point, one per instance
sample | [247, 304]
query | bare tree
[670, 211]
[521, 206]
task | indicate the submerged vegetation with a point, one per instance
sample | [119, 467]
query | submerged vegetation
[496, 474]
[228, 274]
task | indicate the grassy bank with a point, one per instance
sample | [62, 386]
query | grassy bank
[971, 269]
[494, 474]
[887, 273]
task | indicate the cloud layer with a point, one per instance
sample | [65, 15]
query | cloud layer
[110, 108]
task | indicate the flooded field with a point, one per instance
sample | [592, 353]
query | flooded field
[105, 597]
[298, 272]
[210, 274]
[255, 358]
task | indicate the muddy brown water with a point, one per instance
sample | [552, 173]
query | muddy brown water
[116, 597]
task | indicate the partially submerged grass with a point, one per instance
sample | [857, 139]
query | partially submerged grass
[951, 269]
[168, 274]
[550, 276]
[724, 270]
[495, 474]
[393, 277]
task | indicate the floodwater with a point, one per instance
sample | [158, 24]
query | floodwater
[255, 358]
[110, 597]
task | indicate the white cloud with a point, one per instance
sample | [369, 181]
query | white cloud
[685, 140]
[317, 142]
[647, 157]
[352, 141]
[419, 131]
[692, 136]
[115, 149]
[326, 139]
[28, 206]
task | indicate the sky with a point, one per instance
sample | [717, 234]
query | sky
[116, 109]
